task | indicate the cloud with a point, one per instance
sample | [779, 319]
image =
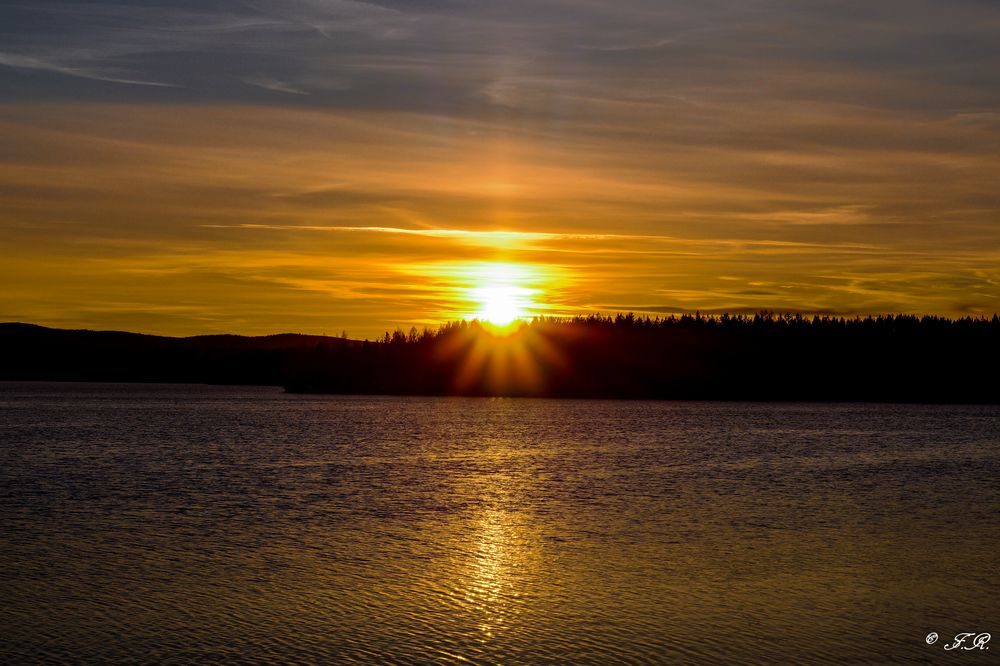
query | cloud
[275, 85]
[42, 64]
[894, 55]
[643, 46]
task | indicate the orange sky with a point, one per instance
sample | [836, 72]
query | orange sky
[612, 176]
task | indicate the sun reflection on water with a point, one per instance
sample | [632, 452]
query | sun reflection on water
[500, 562]
[490, 585]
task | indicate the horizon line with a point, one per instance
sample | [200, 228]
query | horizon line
[643, 316]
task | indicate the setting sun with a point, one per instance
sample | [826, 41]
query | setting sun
[498, 293]
[502, 296]
[502, 304]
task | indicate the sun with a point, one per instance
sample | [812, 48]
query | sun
[501, 294]
[501, 304]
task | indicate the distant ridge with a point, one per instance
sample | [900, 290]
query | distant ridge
[889, 358]
[276, 340]
[32, 352]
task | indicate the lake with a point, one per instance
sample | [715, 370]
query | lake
[180, 524]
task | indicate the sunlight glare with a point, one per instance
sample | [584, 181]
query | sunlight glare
[500, 293]
[502, 304]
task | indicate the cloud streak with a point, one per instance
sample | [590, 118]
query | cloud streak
[42, 64]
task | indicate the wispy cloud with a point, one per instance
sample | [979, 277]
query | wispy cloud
[267, 83]
[439, 233]
[42, 64]
[641, 46]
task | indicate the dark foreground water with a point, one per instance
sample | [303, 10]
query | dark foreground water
[185, 524]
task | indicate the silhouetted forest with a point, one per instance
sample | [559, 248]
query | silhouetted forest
[762, 357]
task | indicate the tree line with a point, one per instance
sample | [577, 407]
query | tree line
[765, 356]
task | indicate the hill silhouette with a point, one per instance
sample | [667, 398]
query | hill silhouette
[892, 358]
[30, 352]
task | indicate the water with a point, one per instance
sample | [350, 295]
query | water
[181, 524]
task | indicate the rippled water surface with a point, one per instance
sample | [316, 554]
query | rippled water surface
[189, 524]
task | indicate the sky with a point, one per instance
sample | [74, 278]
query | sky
[318, 166]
